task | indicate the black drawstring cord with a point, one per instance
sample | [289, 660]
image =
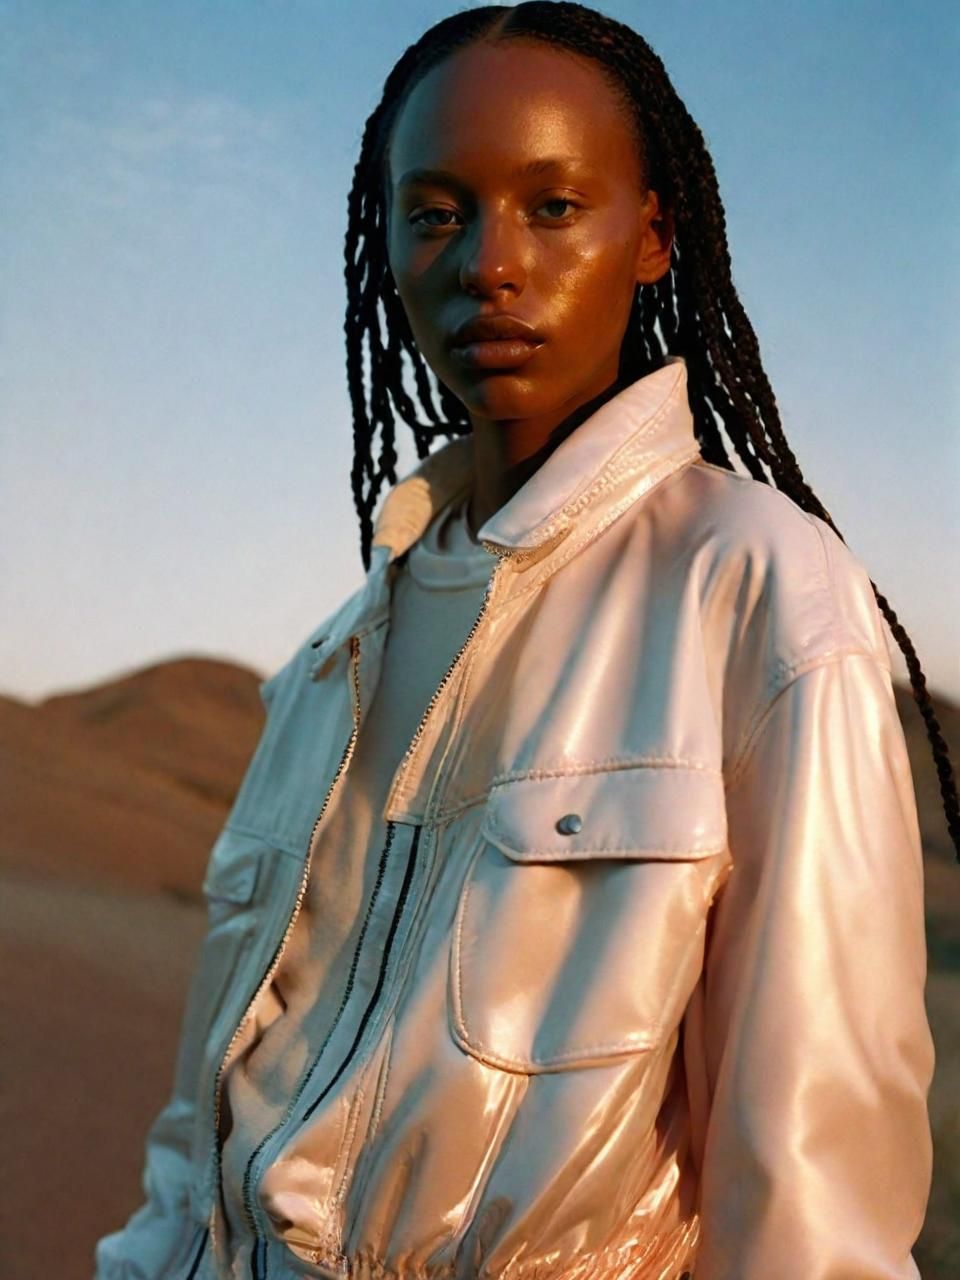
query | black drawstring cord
[255, 1259]
[200, 1252]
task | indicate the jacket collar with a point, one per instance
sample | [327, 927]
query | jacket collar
[633, 434]
[633, 441]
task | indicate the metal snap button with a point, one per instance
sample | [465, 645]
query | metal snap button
[569, 824]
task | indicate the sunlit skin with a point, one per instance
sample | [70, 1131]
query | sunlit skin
[562, 249]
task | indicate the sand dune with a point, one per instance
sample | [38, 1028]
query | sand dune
[127, 783]
[111, 799]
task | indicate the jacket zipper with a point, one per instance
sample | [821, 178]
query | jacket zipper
[249, 1181]
[408, 876]
[304, 880]
[371, 1009]
[418, 733]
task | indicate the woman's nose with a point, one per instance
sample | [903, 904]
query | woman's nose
[492, 257]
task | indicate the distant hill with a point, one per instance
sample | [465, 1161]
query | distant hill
[940, 867]
[933, 824]
[128, 782]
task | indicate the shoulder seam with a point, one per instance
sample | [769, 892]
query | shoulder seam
[882, 654]
[735, 771]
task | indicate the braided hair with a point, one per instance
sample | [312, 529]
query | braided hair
[693, 311]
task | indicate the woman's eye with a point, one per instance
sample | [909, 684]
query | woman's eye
[437, 209]
[558, 200]
[417, 217]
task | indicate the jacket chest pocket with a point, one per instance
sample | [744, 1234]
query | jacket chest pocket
[236, 884]
[245, 887]
[579, 930]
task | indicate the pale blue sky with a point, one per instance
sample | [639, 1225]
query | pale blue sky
[176, 431]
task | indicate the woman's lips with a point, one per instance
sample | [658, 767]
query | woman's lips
[500, 353]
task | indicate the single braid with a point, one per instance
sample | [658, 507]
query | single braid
[693, 311]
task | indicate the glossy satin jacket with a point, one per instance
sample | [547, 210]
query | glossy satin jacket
[649, 940]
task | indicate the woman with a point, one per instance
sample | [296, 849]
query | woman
[569, 919]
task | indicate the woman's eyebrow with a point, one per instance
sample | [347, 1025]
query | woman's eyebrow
[443, 177]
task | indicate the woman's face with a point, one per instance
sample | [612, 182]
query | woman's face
[539, 213]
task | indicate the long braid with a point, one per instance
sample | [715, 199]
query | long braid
[693, 311]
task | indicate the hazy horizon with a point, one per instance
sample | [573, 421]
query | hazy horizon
[176, 429]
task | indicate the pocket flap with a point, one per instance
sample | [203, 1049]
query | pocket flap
[642, 811]
[232, 867]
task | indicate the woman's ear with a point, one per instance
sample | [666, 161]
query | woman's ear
[656, 239]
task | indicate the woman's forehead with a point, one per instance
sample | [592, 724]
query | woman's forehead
[508, 108]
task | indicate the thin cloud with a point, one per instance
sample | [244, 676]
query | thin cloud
[159, 146]
[203, 125]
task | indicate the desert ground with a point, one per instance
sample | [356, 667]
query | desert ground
[111, 798]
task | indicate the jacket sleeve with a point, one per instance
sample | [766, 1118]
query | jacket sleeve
[155, 1239]
[163, 1235]
[817, 1151]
